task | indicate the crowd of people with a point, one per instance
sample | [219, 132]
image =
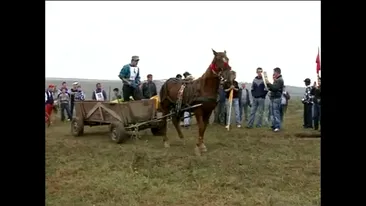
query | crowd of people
[248, 106]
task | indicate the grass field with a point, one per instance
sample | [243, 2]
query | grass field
[242, 167]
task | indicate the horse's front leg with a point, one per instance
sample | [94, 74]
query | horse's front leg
[176, 123]
[200, 146]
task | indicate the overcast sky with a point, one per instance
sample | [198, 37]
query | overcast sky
[95, 39]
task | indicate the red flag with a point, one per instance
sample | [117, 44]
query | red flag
[317, 61]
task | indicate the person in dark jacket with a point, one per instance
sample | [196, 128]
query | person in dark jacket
[244, 103]
[259, 93]
[316, 91]
[149, 88]
[307, 100]
[99, 94]
[228, 86]
[276, 89]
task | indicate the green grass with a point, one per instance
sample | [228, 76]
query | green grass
[242, 167]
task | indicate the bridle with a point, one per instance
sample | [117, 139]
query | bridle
[217, 71]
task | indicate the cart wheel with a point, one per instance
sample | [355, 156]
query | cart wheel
[77, 127]
[118, 132]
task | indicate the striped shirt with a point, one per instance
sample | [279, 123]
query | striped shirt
[308, 97]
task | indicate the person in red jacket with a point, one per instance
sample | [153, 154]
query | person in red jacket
[49, 103]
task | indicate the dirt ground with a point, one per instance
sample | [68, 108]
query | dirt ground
[242, 167]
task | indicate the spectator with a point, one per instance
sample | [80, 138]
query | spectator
[49, 102]
[188, 76]
[284, 102]
[220, 111]
[235, 104]
[276, 90]
[307, 100]
[64, 102]
[99, 94]
[178, 76]
[130, 76]
[63, 86]
[73, 92]
[187, 115]
[316, 91]
[116, 94]
[244, 102]
[79, 95]
[259, 93]
[149, 88]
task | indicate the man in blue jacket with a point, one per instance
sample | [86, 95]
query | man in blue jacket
[259, 93]
[130, 76]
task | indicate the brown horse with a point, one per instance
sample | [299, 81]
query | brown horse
[177, 94]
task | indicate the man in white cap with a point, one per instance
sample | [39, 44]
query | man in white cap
[130, 76]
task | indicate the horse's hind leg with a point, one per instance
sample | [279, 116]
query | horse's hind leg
[164, 131]
[176, 123]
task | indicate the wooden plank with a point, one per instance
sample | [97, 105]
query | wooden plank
[96, 106]
[111, 112]
[101, 113]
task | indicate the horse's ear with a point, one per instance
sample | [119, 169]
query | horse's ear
[214, 52]
[225, 51]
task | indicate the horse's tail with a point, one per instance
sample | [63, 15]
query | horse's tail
[164, 91]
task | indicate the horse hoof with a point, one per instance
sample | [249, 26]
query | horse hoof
[197, 151]
[166, 145]
[203, 148]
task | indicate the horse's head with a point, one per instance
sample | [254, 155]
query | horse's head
[220, 66]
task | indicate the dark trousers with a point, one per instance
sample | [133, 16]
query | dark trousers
[308, 115]
[244, 112]
[220, 113]
[130, 91]
[316, 115]
[65, 107]
[72, 108]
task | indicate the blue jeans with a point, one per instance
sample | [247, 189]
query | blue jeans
[258, 104]
[275, 105]
[236, 108]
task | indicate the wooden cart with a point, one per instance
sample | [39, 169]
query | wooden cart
[126, 119]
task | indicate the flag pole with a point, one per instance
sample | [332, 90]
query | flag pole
[318, 67]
